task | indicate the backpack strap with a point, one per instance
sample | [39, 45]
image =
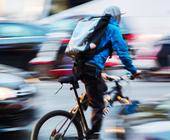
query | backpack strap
[107, 46]
[90, 53]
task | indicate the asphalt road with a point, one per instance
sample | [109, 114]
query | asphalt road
[46, 100]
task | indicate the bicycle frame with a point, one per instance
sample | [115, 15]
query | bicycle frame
[78, 110]
[76, 115]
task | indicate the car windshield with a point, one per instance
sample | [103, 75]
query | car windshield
[19, 30]
[63, 25]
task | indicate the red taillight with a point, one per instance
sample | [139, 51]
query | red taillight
[146, 57]
[41, 62]
[65, 41]
[129, 37]
[60, 72]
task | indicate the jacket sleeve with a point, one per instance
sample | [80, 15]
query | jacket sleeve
[119, 45]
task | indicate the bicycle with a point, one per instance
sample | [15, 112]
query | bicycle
[73, 124]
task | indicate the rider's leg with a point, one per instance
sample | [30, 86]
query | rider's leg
[95, 88]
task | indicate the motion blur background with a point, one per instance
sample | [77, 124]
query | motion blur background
[33, 38]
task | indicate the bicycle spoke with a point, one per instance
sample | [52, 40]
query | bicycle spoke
[62, 125]
[64, 130]
[68, 125]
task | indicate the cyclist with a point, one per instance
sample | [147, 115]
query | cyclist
[107, 35]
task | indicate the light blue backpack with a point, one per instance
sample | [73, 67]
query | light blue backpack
[78, 42]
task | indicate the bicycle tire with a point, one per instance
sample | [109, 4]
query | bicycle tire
[62, 113]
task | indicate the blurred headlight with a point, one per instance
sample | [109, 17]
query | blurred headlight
[6, 93]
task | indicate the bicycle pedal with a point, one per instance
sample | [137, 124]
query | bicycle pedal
[123, 100]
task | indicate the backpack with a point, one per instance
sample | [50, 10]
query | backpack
[79, 39]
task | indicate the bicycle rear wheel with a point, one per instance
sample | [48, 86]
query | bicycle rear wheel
[57, 125]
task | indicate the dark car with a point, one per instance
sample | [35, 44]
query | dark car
[19, 43]
[155, 59]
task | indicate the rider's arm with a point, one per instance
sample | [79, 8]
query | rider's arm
[119, 45]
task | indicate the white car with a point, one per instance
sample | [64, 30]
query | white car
[16, 108]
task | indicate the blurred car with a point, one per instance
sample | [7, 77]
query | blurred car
[155, 60]
[17, 71]
[16, 109]
[19, 42]
[151, 121]
[58, 64]
[148, 121]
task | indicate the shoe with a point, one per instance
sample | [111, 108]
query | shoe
[91, 135]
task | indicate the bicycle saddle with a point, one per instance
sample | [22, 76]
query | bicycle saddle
[68, 79]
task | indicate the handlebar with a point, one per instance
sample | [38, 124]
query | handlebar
[116, 92]
[126, 77]
[119, 78]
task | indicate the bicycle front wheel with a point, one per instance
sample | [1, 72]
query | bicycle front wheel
[57, 125]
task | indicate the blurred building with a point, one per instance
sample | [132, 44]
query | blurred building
[60, 5]
[34, 9]
[73, 3]
[24, 9]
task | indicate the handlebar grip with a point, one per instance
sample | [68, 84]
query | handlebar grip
[132, 77]
[110, 79]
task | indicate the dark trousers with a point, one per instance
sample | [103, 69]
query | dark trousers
[95, 87]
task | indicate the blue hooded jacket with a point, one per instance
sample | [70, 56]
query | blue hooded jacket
[113, 34]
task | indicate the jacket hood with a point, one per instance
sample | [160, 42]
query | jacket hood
[113, 11]
[114, 21]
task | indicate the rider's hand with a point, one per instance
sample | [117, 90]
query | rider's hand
[104, 76]
[136, 75]
[92, 46]
[107, 77]
[113, 77]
